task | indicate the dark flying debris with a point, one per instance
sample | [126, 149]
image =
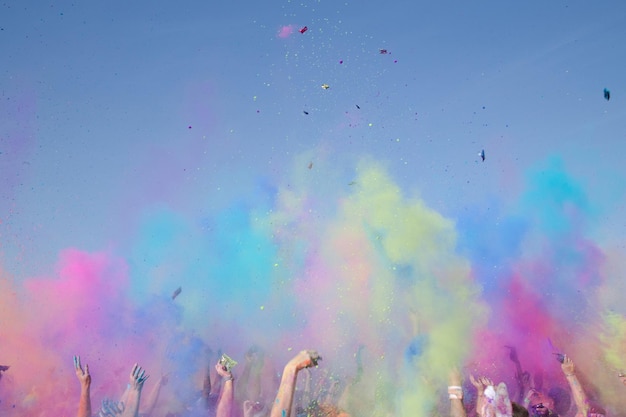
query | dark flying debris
[357, 106]
[482, 155]
[177, 292]
[560, 357]
[305, 112]
[303, 29]
[607, 94]
[310, 165]
[383, 51]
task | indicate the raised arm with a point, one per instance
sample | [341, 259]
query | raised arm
[580, 398]
[137, 378]
[153, 397]
[522, 378]
[227, 394]
[284, 398]
[480, 383]
[455, 392]
[84, 404]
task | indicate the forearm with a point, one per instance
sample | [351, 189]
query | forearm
[284, 397]
[455, 393]
[580, 398]
[225, 402]
[84, 405]
[152, 399]
[132, 405]
[480, 404]
[457, 409]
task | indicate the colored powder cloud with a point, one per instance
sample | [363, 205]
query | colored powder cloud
[392, 293]
[285, 31]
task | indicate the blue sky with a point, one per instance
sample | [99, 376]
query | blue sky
[90, 90]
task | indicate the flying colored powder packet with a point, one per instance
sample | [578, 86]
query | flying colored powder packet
[227, 362]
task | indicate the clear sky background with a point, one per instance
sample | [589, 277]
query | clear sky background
[174, 137]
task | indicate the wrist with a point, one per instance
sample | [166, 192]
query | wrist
[455, 392]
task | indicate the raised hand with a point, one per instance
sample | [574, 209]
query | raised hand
[83, 375]
[480, 383]
[111, 408]
[137, 377]
[250, 408]
[84, 404]
[223, 371]
[567, 366]
[305, 359]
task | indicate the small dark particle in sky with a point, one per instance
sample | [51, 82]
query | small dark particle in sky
[352, 183]
[303, 29]
[189, 127]
[607, 94]
[305, 112]
[258, 111]
[483, 107]
[383, 51]
[310, 165]
[395, 61]
[177, 292]
[341, 61]
[482, 155]
[357, 106]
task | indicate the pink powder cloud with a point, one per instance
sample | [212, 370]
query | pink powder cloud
[286, 31]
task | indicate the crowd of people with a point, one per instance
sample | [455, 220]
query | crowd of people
[218, 396]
